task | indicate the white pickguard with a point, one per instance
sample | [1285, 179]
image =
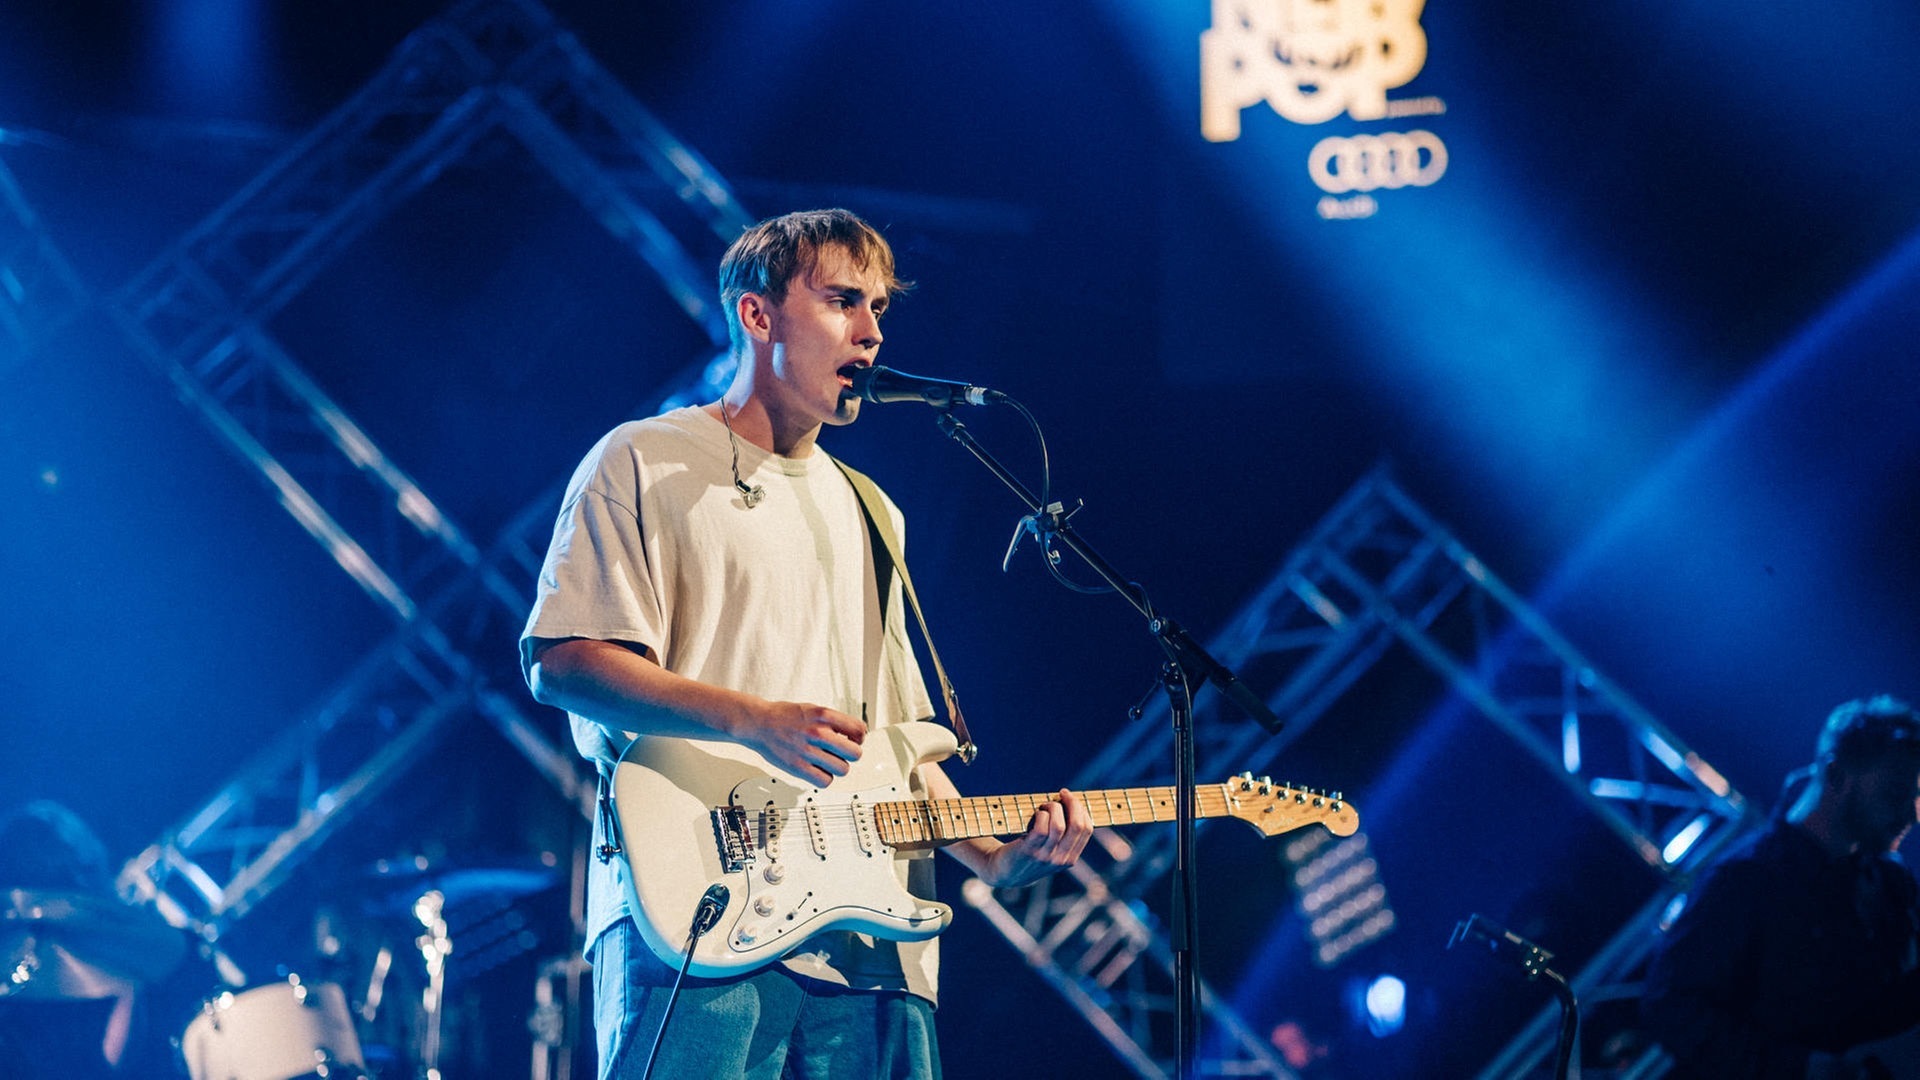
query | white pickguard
[810, 859]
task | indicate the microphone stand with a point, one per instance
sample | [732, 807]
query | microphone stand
[1187, 663]
[1533, 960]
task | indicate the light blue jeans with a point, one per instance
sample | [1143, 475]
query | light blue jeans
[771, 1025]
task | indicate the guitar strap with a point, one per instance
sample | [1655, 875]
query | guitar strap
[887, 561]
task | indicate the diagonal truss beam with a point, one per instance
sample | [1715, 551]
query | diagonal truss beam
[197, 316]
[1377, 570]
[383, 716]
[39, 290]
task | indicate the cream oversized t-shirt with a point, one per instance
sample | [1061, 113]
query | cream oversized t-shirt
[654, 547]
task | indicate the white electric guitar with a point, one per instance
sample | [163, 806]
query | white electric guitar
[797, 860]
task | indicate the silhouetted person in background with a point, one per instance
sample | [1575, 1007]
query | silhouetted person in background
[1804, 941]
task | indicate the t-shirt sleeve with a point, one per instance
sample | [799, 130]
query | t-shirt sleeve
[597, 580]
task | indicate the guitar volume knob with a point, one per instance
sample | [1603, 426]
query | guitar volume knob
[774, 873]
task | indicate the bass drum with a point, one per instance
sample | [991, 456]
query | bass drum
[279, 1031]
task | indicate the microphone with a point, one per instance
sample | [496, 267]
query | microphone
[880, 385]
[712, 904]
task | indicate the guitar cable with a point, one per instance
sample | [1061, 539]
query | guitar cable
[712, 904]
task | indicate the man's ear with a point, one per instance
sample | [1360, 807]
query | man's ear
[1834, 776]
[755, 313]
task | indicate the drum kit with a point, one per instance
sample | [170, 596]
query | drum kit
[71, 947]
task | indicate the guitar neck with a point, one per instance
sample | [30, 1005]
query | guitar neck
[926, 823]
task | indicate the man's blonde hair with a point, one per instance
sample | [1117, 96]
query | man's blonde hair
[767, 258]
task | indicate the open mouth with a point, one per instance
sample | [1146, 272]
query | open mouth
[846, 372]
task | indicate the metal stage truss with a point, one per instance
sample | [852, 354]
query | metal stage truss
[39, 291]
[1376, 571]
[198, 316]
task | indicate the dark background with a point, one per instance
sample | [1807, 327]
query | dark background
[1647, 347]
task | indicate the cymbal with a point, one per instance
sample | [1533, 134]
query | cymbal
[76, 945]
[406, 882]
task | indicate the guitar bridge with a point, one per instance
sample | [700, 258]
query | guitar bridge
[730, 829]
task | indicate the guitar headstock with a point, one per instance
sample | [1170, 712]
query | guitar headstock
[1277, 808]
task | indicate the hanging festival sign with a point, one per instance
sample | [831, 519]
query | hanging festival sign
[1313, 61]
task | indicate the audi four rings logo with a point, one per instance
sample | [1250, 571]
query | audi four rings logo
[1370, 162]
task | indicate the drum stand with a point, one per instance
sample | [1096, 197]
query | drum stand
[556, 1014]
[434, 945]
[559, 992]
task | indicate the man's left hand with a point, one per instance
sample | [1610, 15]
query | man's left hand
[1053, 841]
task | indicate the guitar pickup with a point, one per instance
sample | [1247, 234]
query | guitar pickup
[735, 838]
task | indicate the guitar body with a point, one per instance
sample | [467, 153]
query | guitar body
[796, 860]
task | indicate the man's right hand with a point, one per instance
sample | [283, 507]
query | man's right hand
[812, 742]
[622, 688]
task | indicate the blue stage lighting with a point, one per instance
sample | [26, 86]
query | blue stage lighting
[212, 56]
[1386, 1005]
[1338, 893]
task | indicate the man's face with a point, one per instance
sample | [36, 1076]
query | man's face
[1882, 800]
[828, 323]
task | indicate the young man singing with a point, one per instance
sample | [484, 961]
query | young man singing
[711, 579]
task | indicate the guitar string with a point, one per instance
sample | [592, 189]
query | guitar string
[1212, 797]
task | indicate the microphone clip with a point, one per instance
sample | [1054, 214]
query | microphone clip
[1040, 525]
